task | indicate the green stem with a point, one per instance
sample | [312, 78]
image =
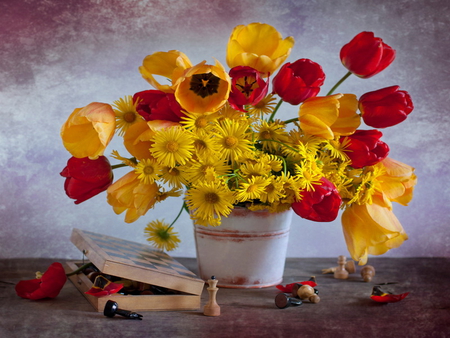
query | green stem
[339, 83]
[291, 120]
[81, 268]
[121, 165]
[275, 110]
[178, 216]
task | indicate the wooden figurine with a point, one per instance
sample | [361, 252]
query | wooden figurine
[340, 272]
[349, 266]
[367, 272]
[212, 309]
[306, 292]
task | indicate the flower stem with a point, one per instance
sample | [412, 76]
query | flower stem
[275, 110]
[183, 207]
[291, 120]
[339, 83]
[81, 268]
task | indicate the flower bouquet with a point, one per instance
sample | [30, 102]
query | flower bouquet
[213, 136]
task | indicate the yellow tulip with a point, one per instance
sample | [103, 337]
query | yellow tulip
[371, 229]
[203, 89]
[169, 65]
[259, 46]
[397, 183]
[348, 120]
[131, 195]
[328, 116]
[318, 114]
[88, 131]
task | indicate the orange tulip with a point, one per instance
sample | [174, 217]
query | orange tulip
[131, 195]
[371, 229]
[88, 131]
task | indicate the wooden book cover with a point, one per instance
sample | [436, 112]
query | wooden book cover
[135, 261]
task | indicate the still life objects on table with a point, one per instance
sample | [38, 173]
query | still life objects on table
[132, 274]
[294, 294]
[213, 136]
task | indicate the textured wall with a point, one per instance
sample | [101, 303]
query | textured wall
[60, 55]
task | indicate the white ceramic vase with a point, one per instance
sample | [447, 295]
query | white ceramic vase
[248, 250]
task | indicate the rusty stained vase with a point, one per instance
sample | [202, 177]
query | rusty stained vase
[248, 250]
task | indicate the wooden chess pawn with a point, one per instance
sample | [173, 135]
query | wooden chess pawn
[367, 272]
[340, 272]
[212, 309]
[306, 292]
[349, 266]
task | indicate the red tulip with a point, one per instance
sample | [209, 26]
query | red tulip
[48, 286]
[385, 107]
[247, 87]
[298, 81]
[86, 178]
[157, 105]
[365, 55]
[320, 205]
[365, 148]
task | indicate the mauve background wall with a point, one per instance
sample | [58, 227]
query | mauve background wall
[60, 55]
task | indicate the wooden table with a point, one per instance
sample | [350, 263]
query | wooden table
[345, 309]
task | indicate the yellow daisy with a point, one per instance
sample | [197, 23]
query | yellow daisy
[195, 122]
[338, 149]
[253, 189]
[161, 235]
[232, 139]
[208, 200]
[273, 192]
[172, 146]
[148, 170]
[265, 106]
[202, 169]
[126, 114]
[266, 132]
[173, 176]
[308, 175]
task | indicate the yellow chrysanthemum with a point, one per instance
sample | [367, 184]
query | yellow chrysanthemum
[227, 112]
[253, 189]
[172, 146]
[148, 170]
[258, 168]
[210, 200]
[308, 174]
[196, 122]
[273, 192]
[126, 114]
[265, 106]
[205, 144]
[161, 235]
[173, 176]
[201, 169]
[232, 139]
[271, 135]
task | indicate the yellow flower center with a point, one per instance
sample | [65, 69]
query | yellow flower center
[199, 144]
[270, 188]
[172, 146]
[201, 122]
[211, 197]
[265, 135]
[129, 117]
[230, 141]
[252, 188]
[204, 84]
[174, 172]
[148, 170]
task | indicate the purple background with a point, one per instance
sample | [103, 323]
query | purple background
[61, 55]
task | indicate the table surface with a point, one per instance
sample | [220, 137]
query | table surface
[345, 308]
